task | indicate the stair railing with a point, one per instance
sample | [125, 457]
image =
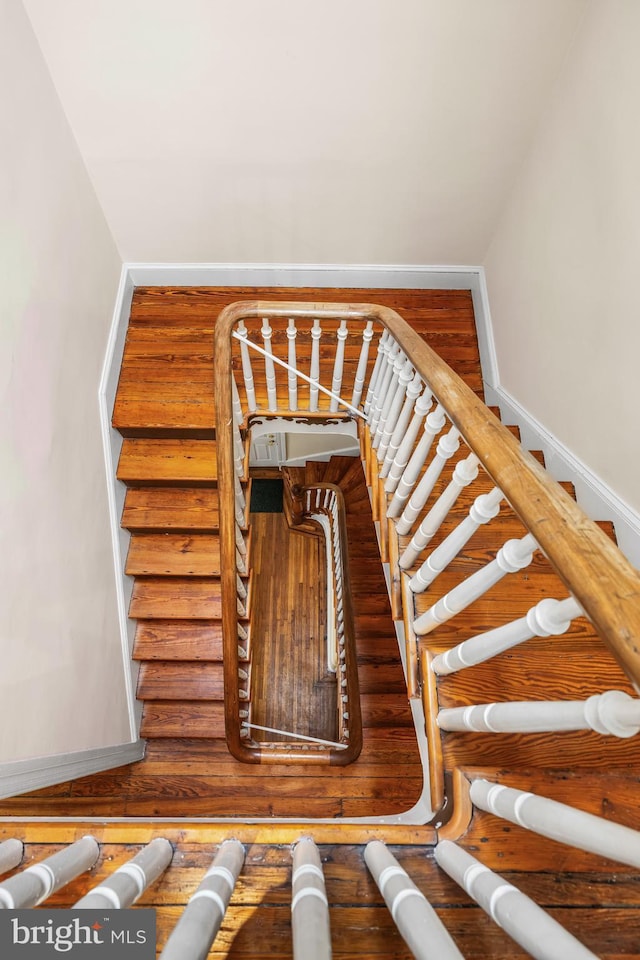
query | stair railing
[398, 385]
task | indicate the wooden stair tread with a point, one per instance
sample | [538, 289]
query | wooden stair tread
[183, 718]
[147, 462]
[156, 509]
[178, 640]
[174, 555]
[176, 598]
[180, 681]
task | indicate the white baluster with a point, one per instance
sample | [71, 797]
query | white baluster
[389, 398]
[513, 556]
[338, 366]
[247, 371]
[202, 917]
[538, 933]
[36, 884]
[395, 408]
[484, 509]
[613, 713]
[127, 884]
[292, 380]
[558, 821]
[400, 429]
[241, 564]
[361, 372]
[11, 853]
[548, 618]
[382, 392]
[240, 588]
[465, 472]
[314, 366]
[418, 923]
[240, 501]
[237, 406]
[240, 544]
[433, 424]
[384, 345]
[269, 368]
[309, 905]
[447, 446]
[238, 451]
[401, 459]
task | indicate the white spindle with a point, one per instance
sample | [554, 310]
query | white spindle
[314, 366]
[447, 446]
[361, 372]
[237, 406]
[548, 618]
[338, 366]
[484, 509]
[240, 544]
[202, 917]
[390, 421]
[292, 380]
[128, 882]
[238, 451]
[11, 853]
[613, 713]
[384, 345]
[418, 923]
[465, 472]
[400, 428]
[386, 380]
[513, 556]
[247, 371]
[560, 822]
[401, 459]
[35, 884]
[240, 501]
[309, 904]
[389, 401]
[529, 925]
[269, 368]
[433, 424]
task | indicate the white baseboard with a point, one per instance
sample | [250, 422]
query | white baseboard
[112, 444]
[596, 499]
[21, 776]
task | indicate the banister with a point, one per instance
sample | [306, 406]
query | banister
[590, 565]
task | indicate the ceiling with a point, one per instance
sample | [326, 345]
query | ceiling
[359, 132]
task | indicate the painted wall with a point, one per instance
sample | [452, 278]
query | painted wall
[289, 132]
[62, 680]
[563, 264]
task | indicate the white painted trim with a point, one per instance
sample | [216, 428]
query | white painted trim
[21, 776]
[596, 499]
[112, 444]
[402, 276]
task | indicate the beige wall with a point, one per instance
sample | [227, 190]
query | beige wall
[563, 266]
[62, 680]
[365, 131]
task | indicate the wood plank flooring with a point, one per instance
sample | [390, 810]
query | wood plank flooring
[292, 689]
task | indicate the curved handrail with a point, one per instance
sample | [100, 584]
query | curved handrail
[590, 565]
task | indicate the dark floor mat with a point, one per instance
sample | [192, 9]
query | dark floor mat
[266, 496]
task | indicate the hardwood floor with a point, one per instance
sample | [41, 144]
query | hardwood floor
[292, 689]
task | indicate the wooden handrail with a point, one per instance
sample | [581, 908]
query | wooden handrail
[590, 565]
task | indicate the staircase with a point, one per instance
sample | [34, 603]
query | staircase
[165, 412]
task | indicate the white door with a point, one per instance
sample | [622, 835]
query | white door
[267, 450]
